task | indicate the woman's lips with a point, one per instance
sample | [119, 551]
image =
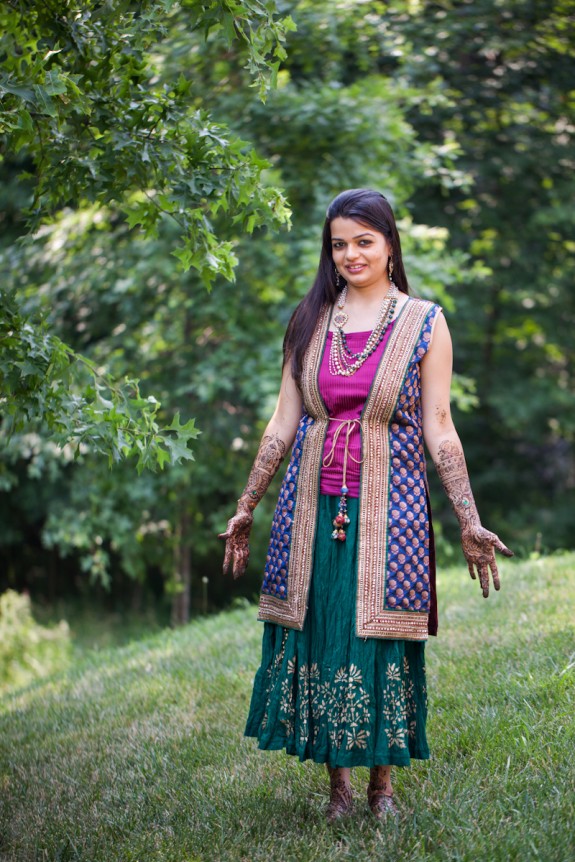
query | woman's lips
[355, 267]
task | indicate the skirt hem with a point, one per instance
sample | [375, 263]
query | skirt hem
[324, 757]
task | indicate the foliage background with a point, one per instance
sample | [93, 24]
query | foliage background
[461, 112]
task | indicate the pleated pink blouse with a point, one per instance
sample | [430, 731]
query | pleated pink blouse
[344, 398]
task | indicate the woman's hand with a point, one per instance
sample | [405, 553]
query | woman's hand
[236, 537]
[279, 434]
[479, 547]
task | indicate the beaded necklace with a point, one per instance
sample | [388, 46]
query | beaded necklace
[342, 360]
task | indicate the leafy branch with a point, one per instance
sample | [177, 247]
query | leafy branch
[82, 101]
[41, 381]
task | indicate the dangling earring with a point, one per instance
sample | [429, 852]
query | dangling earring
[337, 278]
[390, 267]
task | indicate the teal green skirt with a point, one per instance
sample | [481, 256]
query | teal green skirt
[326, 695]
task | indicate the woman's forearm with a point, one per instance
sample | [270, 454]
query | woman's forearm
[271, 453]
[444, 445]
[449, 460]
[278, 436]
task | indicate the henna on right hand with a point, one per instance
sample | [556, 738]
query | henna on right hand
[236, 537]
[270, 455]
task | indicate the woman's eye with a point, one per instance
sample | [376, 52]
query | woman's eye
[337, 245]
[365, 242]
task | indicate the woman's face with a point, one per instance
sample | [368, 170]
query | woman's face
[360, 252]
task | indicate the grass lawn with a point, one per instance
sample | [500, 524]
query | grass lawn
[137, 752]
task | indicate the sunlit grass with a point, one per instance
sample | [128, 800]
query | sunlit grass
[137, 753]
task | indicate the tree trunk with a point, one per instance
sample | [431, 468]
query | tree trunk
[183, 572]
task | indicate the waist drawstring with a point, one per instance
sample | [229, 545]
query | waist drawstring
[341, 520]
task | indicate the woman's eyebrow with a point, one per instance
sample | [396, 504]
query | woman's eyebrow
[357, 236]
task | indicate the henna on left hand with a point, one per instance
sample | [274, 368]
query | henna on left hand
[478, 544]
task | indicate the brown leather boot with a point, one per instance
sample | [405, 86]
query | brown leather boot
[340, 797]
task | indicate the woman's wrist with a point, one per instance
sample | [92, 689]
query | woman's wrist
[466, 511]
[248, 501]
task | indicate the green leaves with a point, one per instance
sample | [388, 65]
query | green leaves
[83, 102]
[178, 445]
[82, 95]
[255, 26]
[45, 384]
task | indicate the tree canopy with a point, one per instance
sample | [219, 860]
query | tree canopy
[88, 117]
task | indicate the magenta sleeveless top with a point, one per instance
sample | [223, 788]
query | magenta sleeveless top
[344, 398]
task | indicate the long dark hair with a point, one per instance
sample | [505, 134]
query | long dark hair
[369, 208]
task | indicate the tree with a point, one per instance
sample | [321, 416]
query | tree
[84, 114]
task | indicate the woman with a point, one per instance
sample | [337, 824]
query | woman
[348, 597]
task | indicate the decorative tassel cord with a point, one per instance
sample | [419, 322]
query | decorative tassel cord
[341, 520]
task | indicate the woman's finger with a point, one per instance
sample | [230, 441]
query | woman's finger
[471, 570]
[240, 563]
[484, 579]
[503, 549]
[495, 574]
[227, 557]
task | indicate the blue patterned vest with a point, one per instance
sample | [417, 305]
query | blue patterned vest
[395, 561]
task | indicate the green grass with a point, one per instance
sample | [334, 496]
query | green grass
[136, 753]
[93, 626]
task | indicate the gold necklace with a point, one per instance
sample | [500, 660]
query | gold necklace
[342, 361]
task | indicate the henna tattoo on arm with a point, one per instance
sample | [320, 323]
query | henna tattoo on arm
[270, 455]
[452, 470]
[478, 544]
[441, 414]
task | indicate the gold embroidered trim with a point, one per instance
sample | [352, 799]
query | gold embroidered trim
[403, 625]
[371, 618]
[313, 402]
[291, 612]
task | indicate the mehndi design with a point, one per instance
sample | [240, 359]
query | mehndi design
[340, 795]
[478, 543]
[270, 455]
